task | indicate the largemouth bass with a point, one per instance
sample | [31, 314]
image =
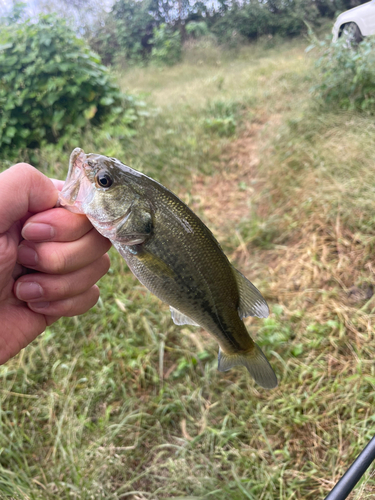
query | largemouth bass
[172, 253]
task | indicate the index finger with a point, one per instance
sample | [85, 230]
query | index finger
[23, 189]
[57, 224]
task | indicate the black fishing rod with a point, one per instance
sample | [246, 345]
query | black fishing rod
[354, 473]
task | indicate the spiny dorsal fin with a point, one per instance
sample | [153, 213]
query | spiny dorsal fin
[251, 301]
[181, 319]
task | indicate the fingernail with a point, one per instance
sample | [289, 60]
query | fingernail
[27, 256]
[29, 291]
[37, 231]
[38, 305]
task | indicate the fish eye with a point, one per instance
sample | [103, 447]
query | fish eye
[103, 179]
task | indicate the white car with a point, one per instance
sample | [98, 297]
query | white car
[355, 23]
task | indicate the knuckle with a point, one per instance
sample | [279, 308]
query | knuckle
[61, 289]
[56, 261]
[23, 167]
[27, 172]
[68, 307]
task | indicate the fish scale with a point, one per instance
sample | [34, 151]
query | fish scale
[171, 251]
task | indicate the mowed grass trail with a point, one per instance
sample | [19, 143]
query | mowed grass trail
[121, 403]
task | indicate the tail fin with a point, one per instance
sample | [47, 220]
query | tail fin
[256, 363]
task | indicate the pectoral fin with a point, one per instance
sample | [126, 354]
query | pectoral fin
[136, 225]
[255, 362]
[251, 301]
[181, 319]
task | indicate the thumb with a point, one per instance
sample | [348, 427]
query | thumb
[24, 189]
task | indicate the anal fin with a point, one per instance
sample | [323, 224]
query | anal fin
[251, 301]
[181, 319]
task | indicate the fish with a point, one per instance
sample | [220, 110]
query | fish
[172, 253]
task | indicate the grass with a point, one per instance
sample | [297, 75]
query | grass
[122, 404]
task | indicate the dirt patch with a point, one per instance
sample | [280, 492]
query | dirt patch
[225, 198]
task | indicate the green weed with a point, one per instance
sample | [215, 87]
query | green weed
[346, 77]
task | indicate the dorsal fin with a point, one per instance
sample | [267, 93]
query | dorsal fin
[251, 301]
[181, 319]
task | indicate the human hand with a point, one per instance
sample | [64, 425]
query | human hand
[66, 254]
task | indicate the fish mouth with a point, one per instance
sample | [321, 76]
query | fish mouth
[77, 189]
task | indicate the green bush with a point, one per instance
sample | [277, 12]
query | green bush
[248, 21]
[126, 32]
[166, 45]
[251, 20]
[51, 85]
[346, 75]
[197, 29]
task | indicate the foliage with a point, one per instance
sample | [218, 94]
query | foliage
[126, 32]
[166, 45]
[134, 24]
[346, 74]
[197, 29]
[248, 21]
[238, 21]
[251, 20]
[102, 38]
[135, 32]
[330, 8]
[51, 85]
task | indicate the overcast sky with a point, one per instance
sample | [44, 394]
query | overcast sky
[33, 6]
